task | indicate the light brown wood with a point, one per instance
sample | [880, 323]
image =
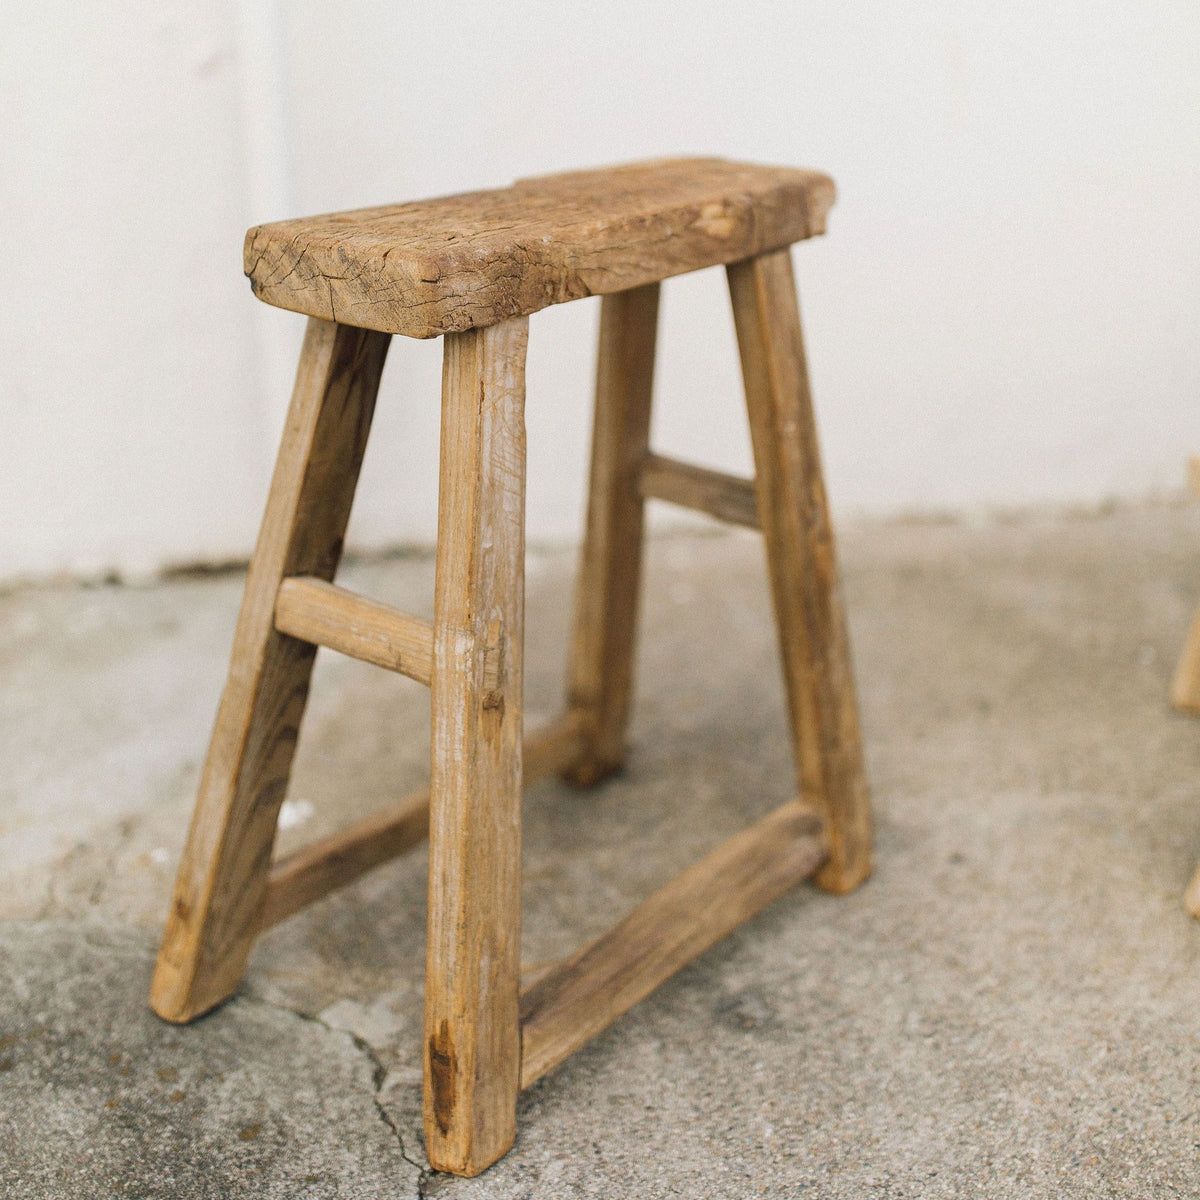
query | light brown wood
[328, 615]
[462, 262]
[1185, 685]
[814, 644]
[472, 267]
[1191, 898]
[606, 597]
[725, 497]
[313, 872]
[472, 974]
[222, 878]
[573, 1002]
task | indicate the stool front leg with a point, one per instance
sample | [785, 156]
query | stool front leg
[472, 977]
[805, 587]
[216, 910]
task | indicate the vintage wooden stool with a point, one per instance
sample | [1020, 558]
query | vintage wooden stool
[471, 268]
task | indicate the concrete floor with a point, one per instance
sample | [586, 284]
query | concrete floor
[1008, 1008]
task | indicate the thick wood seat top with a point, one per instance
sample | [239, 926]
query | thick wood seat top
[466, 261]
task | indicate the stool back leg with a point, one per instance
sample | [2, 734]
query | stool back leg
[219, 890]
[602, 647]
[803, 569]
[472, 976]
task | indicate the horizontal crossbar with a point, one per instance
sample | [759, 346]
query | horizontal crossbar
[304, 877]
[574, 1001]
[328, 615]
[725, 497]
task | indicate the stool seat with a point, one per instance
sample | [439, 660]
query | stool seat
[472, 260]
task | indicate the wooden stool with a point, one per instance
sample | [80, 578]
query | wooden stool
[471, 268]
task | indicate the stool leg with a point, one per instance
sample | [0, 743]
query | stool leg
[800, 555]
[215, 913]
[1191, 898]
[601, 669]
[472, 975]
[1185, 686]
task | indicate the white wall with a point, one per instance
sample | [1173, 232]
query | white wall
[1006, 309]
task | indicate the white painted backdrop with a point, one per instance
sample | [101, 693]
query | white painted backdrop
[1006, 309]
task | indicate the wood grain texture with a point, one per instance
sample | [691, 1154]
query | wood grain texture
[472, 974]
[575, 1001]
[314, 871]
[794, 513]
[467, 261]
[725, 497]
[327, 615]
[217, 904]
[610, 570]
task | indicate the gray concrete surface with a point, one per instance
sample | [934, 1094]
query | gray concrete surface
[1008, 1008]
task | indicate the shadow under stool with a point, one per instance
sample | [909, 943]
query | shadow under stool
[470, 269]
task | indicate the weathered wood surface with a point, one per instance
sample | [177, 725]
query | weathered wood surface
[461, 262]
[573, 1002]
[796, 525]
[314, 871]
[472, 267]
[725, 497]
[216, 910]
[472, 974]
[606, 595]
[328, 615]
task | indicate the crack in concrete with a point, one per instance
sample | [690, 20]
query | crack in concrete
[378, 1076]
